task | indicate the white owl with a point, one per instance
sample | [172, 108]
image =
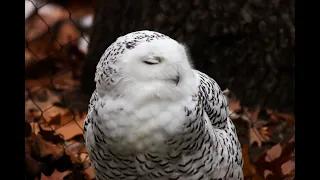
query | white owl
[153, 117]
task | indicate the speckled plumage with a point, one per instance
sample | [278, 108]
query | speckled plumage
[152, 117]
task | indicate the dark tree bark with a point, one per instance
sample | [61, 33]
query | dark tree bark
[245, 45]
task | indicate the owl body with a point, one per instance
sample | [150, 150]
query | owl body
[153, 117]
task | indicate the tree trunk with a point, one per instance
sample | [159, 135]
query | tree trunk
[246, 46]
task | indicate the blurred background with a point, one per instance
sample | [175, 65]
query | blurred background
[247, 46]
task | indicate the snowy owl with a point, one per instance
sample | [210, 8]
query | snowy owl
[153, 117]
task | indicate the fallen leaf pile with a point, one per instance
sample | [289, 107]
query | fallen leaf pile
[53, 61]
[52, 33]
[273, 134]
[54, 124]
[54, 139]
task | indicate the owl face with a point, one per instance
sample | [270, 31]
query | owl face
[160, 68]
[157, 68]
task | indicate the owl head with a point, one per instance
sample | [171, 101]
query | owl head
[145, 65]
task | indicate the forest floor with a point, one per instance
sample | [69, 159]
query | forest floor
[55, 108]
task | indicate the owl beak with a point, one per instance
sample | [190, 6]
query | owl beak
[176, 80]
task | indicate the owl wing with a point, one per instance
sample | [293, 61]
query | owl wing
[213, 101]
[216, 107]
[94, 98]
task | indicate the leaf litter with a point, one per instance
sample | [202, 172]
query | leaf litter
[53, 139]
[275, 157]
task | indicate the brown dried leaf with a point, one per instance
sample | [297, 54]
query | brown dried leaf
[26, 94]
[248, 169]
[46, 17]
[269, 111]
[32, 166]
[34, 28]
[252, 114]
[74, 158]
[265, 133]
[73, 128]
[288, 117]
[28, 129]
[54, 115]
[55, 119]
[50, 135]
[49, 148]
[288, 148]
[85, 10]
[56, 175]
[267, 173]
[30, 58]
[289, 176]
[34, 103]
[274, 159]
[36, 49]
[68, 32]
[83, 157]
[84, 150]
[89, 173]
[273, 153]
[288, 167]
[234, 105]
[287, 120]
[75, 148]
[43, 148]
[255, 136]
[34, 114]
[59, 80]
[35, 128]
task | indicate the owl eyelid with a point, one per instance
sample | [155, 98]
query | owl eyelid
[150, 63]
[153, 61]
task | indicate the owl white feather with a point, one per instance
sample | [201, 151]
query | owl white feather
[153, 117]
